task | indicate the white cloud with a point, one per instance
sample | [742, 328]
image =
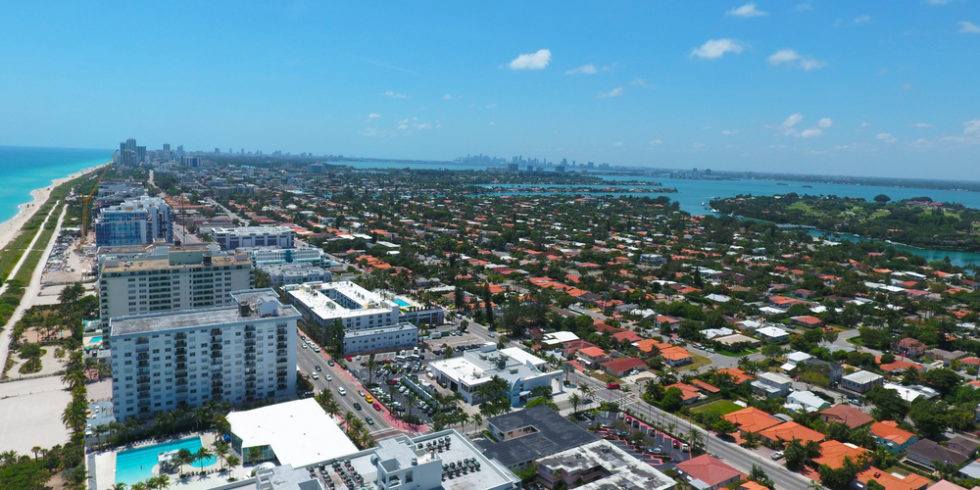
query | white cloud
[811, 133]
[639, 82]
[492, 123]
[395, 95]
[618, 144]
[374, 115]
[616, 92]
[451, 97]
[583, 70]
[716, 48]
[729, 132]
[922, 125]
[906, 86]
[971, 128]
[656, 142]
[746, 11]
[790, 57]
[491, 106]
[967, 27]
[531, 61]
[886, 137]
[792, 120]
[861, 19]
[825, 122]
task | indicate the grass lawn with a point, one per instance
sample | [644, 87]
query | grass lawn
[743, 352]
[721, 407]
[699, 361]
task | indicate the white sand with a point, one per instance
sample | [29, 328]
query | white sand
[11, 227]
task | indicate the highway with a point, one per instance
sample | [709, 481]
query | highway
[308, 359]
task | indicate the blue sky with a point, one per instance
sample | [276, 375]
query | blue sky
[859, 88]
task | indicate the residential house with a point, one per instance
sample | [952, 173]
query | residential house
[889, 435]
[847, 415]
[689, 394]
[592, 356]
[789, 431]
[623, 366]
[808, 321]
[833, 453]
[751, 420]
[772, 385]
[706, 472]
[956, 451]
[772, 335]
[910, 347]
[861, 381]
[891, 481]
[738, 377]
[805, 401]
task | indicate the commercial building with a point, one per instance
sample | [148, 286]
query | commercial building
[158, 278]
[466, 373]
[861, 381]
[268, 256]
[526, 435]
[290, 433]
[254, 236]
[600, 465]
[295, 273]
[372, 320]
[245, 352]
[136, 221]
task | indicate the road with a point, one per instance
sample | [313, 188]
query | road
[737, 456]
[308, 359]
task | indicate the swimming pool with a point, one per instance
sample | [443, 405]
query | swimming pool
[401, 302]
[136, 465]
[95, 340]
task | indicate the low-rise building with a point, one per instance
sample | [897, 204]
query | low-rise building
[474, 368]
[600, 465]
[805, 401]
[861, 381]
[772, 335]
[378, 339]
[254, 237]
[893, 438]
[956, 451]
[751, 420]
[295, 273]
[523, 436]
[772, 385]
[707, 472]
[847, 415]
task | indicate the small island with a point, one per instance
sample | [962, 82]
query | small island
[919, 222]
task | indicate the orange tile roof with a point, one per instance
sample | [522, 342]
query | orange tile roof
[889, 430]
[751, 485]
[913, 481]
[787, 431]
[705, 386]
[647, 345]
[832, 454]
[688, 392]
[738, 376]
[593, 352]
[675, 353]
[751, 419]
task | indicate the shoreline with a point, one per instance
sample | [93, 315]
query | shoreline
[25, 211]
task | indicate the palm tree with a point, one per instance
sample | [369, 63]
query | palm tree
[184, 456]
[140, 485]
[118, 486]
[371, 365]
[201, 455]
[587, 390]
[35, 450]
[163, 481]
[221, 449]
[233, 460]
[477, 420]
[575, 399]
[410, 401]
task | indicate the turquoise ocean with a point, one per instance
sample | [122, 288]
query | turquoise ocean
[23, 169]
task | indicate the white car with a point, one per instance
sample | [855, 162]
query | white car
[328, 377]
[316, 376]
[342, 391]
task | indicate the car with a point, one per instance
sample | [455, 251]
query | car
[677, 445]
[369, 420]
[348, 359]
[316, 376]
[304, 346]
[328, 377]
[777, 455]
[612, 386]
[377, 406]
[316, 348]
[330, 362]
[357, 406]
[318, 368]
[360, 393]
[368, 398]
[685, 447]
[342, 391]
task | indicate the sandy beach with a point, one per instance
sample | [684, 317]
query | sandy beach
[10, 228]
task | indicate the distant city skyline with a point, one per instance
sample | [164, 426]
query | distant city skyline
[799, 87]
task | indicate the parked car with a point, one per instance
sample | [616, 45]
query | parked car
[612, 386]
[777, 455]
[330, 362]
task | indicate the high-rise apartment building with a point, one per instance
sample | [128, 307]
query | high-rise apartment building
[239, 353]
[142, 220]
[140, 280]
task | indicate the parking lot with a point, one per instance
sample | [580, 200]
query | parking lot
[657, 448]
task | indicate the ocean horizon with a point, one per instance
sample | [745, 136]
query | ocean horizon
[27, 168]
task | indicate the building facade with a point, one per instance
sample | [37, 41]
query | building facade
[134, 222]
[240, 353]
[143, 280]
[254, 236]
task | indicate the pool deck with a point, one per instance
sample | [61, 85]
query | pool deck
[105, 466]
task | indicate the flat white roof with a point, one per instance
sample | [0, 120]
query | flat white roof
[314, 297]
[771, 331]
[523, 357]
[299, 432]
[559, 338]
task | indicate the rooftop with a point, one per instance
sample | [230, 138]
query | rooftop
[260, 303]
[319, 297]
[708, 471]
[623, 470]
[552, 434]
[295, 431]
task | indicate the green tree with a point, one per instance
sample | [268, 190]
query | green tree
[795, 454]
[672, 400]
